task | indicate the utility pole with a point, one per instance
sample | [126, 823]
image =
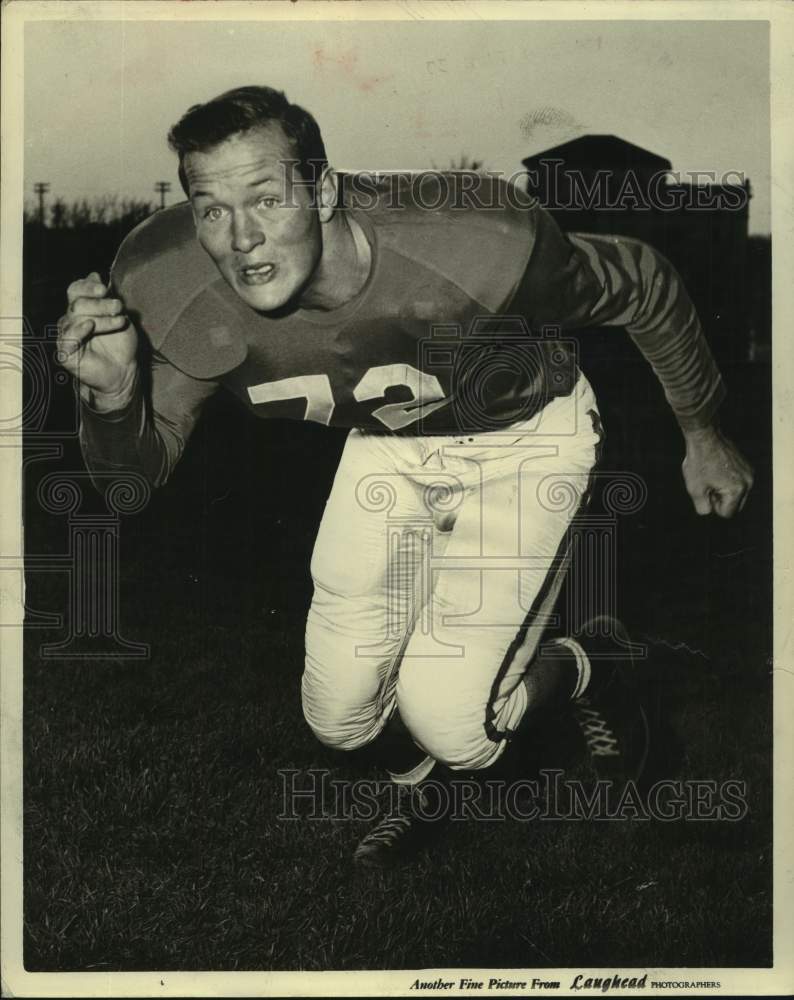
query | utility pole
[161, 187]
[41, 189]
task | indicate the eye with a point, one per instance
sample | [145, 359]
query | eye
[267, 201]
[213, 213]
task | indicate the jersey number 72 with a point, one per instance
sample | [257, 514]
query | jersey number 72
[316, 390]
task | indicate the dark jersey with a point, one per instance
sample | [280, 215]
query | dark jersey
[459, 327]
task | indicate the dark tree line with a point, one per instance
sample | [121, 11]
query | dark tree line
[109, 210]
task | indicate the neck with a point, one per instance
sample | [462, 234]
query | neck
[344, 265]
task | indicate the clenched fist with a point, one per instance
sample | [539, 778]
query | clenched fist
[98, 344]
[718, 477]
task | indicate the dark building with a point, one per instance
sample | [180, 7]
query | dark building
[603, 184]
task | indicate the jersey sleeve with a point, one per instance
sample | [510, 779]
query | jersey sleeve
[154, 273]
[149, 434]
[591, 280]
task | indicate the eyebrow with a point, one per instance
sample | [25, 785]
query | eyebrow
[266, 179]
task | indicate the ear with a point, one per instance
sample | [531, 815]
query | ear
[327, 194]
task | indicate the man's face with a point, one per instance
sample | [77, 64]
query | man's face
[258, 227]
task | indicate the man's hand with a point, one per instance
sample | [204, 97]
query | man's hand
[98, 344]
[717, 476]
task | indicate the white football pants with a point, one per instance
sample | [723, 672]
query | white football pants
[437, 564]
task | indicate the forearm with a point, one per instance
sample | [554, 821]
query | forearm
[117, 435]
[642, 292]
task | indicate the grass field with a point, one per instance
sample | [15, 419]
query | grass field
[152, 839]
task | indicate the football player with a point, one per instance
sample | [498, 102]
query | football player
[428, 316]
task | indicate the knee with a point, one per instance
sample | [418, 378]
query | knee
[341, 715]
[448, 723]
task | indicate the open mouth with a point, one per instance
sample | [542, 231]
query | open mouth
[257, 274]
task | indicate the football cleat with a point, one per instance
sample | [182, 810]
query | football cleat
[409, 824]
[609, 712]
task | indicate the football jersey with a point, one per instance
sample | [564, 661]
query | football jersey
[460, 326]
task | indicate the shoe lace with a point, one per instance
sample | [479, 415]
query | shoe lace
[396, 823]
[598, 735]
[390, 829]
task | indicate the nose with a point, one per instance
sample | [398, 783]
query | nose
[246, 234]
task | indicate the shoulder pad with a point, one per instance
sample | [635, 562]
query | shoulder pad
[476, 230]
[168, 283]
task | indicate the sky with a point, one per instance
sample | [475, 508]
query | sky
[101, 95]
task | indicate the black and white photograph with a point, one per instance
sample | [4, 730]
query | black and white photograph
[392, 531]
